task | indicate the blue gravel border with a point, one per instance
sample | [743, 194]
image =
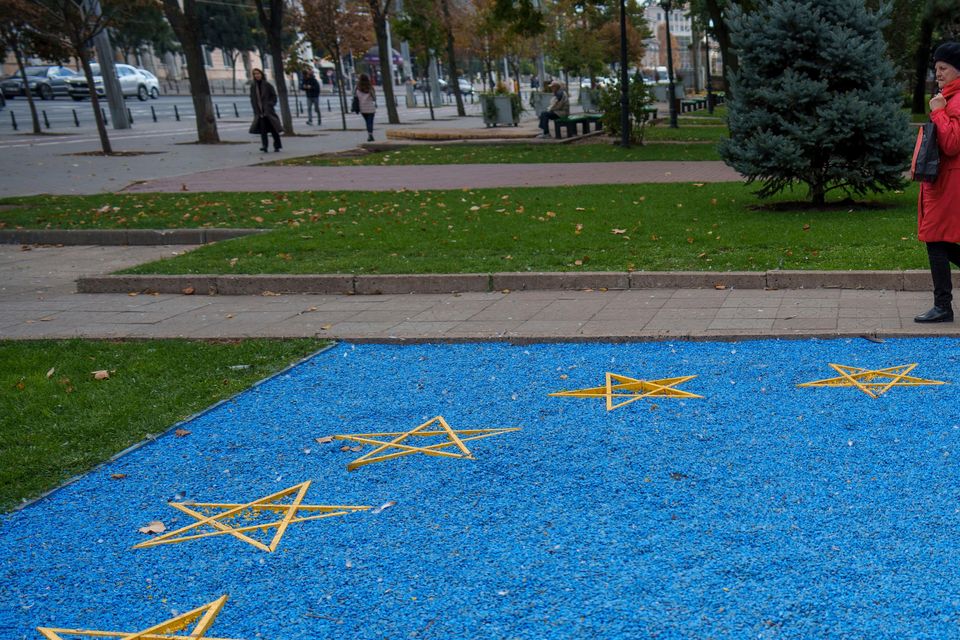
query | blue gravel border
[762, 510]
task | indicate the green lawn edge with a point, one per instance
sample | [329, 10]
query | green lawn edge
[59, 422]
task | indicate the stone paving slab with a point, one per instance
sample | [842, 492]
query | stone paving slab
[36, 301]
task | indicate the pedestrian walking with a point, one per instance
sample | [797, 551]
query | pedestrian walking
[365, 101]
[938, 209]
[263, 98]
[311, 89]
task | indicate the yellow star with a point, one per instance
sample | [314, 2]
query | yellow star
[454, 439]
[229, 510]
[873, 382]
[618, 386]
[166, 630]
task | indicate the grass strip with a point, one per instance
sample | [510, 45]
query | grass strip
[56, 420]
[690, 227]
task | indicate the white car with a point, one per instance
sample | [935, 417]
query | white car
[132, 83]
[153, 85]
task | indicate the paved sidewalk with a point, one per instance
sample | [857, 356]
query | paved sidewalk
[37, 301]
[474, 176]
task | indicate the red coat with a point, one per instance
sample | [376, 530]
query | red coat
[938, 212]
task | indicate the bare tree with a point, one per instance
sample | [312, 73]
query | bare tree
[189, 32]
[72, 25]
[335, 26]
[17, 32]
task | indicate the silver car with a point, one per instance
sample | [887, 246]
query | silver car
[132, 83]
[153, 85]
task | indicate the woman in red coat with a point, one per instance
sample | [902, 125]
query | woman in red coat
[938, 214]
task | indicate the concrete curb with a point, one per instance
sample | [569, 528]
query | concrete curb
[114, 237]
[348, 284]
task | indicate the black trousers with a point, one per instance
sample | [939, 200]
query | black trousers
[266, 127]
[545, 118]
[941, 254]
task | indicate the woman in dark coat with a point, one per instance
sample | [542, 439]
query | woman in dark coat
[263, 98]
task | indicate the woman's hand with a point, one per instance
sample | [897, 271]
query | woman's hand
[937, 102]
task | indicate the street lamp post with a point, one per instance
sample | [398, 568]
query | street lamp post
[624, 80]
[671, 100]
[706, 55]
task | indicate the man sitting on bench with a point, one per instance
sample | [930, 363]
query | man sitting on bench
[559, 108]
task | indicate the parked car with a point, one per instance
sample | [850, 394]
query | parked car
[45, 81]
[465, 87]
[132, 83]
[599, 80]
[153, 85]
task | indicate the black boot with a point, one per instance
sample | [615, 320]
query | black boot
[936, 314]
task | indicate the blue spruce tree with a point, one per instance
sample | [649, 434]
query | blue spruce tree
[815, 100]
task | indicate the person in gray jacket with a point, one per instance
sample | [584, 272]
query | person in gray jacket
[559, 108]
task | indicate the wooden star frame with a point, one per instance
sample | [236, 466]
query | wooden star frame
[873, 382]
[633, 389]
[455, 438]
[229, 510]
[167, 630]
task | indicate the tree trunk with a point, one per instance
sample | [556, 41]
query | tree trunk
[341, 88]
[452, 58]
[185, 25]
[18, 54]
[94, 101]
[276, 55]
[921, 62]
[722, 34]
[380, 27]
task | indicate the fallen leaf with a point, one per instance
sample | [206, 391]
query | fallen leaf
[102, 374]
[806, 227]
[50, 373]
[183, 187]
[228, 316]
[21, 386]
[564, 376]
[269, 293]
[181, 433]
[133, 294]
[152, 527]
[719, 286]
[618, 232]
[345, 448]
[117, 476]
[326, 327]
[234, 261]
[324, 440]
[188, 291]
[24, 247]
[698, 184]
[359, 447]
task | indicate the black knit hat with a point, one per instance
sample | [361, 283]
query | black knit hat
[948, 52]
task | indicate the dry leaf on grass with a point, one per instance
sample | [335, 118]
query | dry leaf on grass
[102, 374]
[181, 433]
[153, 527]
[50, 373]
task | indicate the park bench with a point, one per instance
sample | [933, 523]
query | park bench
[570, 124]
[692, 104]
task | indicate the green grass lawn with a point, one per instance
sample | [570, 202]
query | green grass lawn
[56, 420]
[641, 227]
[466, 153]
